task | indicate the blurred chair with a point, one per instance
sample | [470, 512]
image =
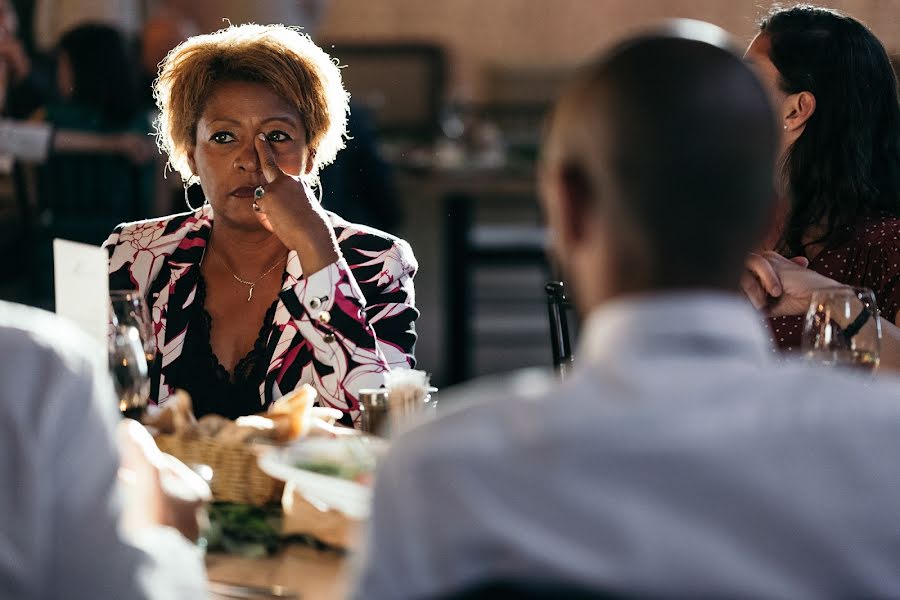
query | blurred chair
[402, 84]
[495, 265]
[558, 306]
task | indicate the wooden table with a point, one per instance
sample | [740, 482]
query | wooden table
[312, 574]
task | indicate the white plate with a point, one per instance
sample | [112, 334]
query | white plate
[349, 497]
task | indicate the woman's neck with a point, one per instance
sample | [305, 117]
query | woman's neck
[247, 253]
[780, 217]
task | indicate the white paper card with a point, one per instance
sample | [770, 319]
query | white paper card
[81, 277]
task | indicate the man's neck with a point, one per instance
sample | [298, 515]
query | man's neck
[601, 297]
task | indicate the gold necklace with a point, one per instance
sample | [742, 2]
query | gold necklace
[252, 284]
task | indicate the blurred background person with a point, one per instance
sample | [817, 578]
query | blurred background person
[82, 193]
[836, 100]
[678, 458]
[67, 529]
[259, 290]
[90, 57]
[63, 166]
[23, 86]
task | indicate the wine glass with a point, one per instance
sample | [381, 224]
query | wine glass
[130, 308]
[843, 328]
[128, 367]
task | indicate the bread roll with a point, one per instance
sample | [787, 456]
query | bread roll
[299, 400]
[294, 410]
[174, 416]
[245, 430]
[210, 425]
[287, 426]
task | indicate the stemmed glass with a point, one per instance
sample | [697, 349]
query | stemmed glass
[132, 348]
[843, 328]
[128, 367]
[130, 308]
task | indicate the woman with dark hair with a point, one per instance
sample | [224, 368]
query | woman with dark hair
[835, 95]
[85, 188]
[98, 89]
[87, 191]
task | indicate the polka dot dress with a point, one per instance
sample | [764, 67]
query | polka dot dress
[871, 259]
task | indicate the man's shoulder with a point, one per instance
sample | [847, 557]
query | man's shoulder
[502, 416]
[473, 416]
[819, 384]
[28, 329]
[42, 353]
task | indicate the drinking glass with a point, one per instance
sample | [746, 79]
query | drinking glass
[130, 308]
[128, 367]
[843, 328]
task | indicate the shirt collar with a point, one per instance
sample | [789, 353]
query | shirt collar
[681, 324]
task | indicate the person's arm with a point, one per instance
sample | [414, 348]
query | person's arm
[782, 287]
[137, 147]
[360, 336]
[34, 141]
[327, 307]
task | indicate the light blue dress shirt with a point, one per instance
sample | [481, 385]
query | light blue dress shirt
[678, 459]
[59, 498]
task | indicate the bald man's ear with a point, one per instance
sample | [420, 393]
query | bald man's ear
[798, 108]
[576, 196]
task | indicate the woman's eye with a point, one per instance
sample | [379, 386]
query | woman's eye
[222, 137]
[278, 136]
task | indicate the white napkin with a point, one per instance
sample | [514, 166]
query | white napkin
[407, 392]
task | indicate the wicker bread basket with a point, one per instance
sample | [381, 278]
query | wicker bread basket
[236, 475]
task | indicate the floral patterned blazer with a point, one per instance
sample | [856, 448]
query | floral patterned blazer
[368, 294]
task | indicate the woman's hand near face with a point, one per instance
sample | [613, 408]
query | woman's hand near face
[288, 210]
[781, 286]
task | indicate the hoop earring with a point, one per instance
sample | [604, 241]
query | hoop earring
[187, 200]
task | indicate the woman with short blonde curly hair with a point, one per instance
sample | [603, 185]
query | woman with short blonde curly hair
[284, 60]
[251, 113]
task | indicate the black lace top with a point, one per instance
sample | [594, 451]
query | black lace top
[199, 372]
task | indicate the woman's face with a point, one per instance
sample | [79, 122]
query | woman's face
[224, 156]
[757, 56]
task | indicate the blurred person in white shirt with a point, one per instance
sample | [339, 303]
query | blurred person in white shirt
[67, 530]
[678, 459]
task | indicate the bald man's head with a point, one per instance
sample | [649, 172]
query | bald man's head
[669, 138]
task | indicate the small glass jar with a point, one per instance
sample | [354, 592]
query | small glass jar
[374, 411]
